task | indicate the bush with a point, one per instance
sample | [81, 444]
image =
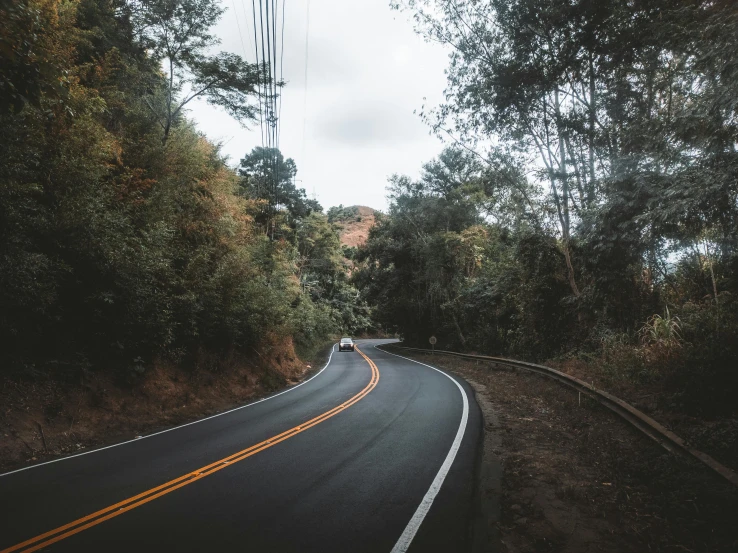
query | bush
[707, 381]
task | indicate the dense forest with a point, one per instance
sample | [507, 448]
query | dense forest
[587, 203]
[582, 213]
[125, 236]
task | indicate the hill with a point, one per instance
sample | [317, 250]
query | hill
[355, 222]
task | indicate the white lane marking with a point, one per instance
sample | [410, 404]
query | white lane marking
[138, 438]
[412, 527]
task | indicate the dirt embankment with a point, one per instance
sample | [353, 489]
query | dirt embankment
[45, 417]
[355, 229]
[578, 479]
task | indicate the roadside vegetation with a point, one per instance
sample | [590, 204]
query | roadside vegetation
[130, 248]
[126, 236]
[578, 479]
[585, 211]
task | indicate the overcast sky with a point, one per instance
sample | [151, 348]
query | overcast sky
[367, 72]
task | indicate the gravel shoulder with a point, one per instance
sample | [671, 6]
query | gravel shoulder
[576, 478]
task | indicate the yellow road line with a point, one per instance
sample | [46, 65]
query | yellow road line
[93, 519]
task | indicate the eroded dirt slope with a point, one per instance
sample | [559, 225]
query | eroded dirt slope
[355, 230]
[44, 416]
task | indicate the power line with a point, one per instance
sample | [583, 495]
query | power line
[268, 53]
[281, 72]
[246, 24]
[305, 80]
[270, 62]
[270, 99]
[275, 113]
[258, 65]
[240, 36]
[243, 47]
[263, 51]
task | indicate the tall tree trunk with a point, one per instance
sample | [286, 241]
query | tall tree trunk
[570, 269]
[563, 221]
[562, 204]
[458, 328]
[170, 99]
[592, 119]
[710, 264]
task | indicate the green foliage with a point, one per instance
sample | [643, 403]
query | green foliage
[341, 214]
[350, 252]
[663, 331]
[487, 279]
[267, 176]
[323, 274]
[115, 248]
[435, 266]
[603, 96]
[179, 33]
[706, 379]
[30, 32]
[609, 192]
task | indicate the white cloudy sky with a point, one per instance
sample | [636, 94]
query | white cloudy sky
[367, 72]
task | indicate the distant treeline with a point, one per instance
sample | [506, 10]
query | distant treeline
[124, 235]
[601, 220]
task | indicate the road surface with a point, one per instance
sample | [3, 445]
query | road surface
[374, 453]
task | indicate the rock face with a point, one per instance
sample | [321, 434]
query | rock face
[355, 222]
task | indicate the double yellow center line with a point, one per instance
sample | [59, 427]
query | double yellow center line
[93, 519]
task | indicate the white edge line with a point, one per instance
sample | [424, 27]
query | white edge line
[138, 439]
[412, 527]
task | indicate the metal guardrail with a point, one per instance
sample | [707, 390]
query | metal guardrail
[665, 437]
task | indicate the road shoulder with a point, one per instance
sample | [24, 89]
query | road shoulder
[577, 479]
[485, 529]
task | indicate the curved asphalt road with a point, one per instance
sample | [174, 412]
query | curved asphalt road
[354, 482]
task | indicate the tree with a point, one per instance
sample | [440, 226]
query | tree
[113, 246]
[266, 175]
[415, 261]
[590, 91]
[32, 48]
[178, 32]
